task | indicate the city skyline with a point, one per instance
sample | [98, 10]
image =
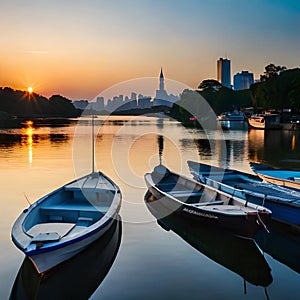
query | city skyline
[79, 49]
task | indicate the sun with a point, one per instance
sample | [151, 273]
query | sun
[30, 89]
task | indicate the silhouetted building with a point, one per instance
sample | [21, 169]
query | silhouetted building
[80, 104]
[99, 104]
[224, 72]
[161, 96]
[243, 80]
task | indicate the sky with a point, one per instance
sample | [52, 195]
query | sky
[78, 49]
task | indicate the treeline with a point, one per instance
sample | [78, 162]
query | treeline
[23, 104]
[278, 89]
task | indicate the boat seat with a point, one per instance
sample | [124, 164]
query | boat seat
[84, 221]
[71, 213]
[217, 202]
[185, 193]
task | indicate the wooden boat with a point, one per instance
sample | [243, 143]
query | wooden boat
[264, 121]
[77, 278]
[284, 203]
[188, 197]
[241, 256]
[282, 177]
[65, 221]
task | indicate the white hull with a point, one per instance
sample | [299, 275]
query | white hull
[45, 261]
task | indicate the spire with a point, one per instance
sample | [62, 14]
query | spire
[161, 73]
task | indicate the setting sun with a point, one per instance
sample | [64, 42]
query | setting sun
[30, 89]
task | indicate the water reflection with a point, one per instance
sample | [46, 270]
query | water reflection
[282, 244]
[77, 278]
[278, 148]
[28, 132]
[236, 254]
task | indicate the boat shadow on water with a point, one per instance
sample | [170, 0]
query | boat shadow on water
[241, 256]
[76, 278]
[282, 243]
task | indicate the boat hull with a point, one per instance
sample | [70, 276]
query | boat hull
[67, 220]
[46, 261]
[245, 226]
[284, 203]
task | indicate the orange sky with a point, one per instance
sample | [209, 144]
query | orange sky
[80, 48]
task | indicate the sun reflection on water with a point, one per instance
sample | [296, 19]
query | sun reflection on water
[28, 131]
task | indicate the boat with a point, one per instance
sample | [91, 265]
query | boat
[283, 202]
[241, 256]
[77, 278]
[264, 121]
[282, 177]
[233, 120]
[202, 203]
[64, 222]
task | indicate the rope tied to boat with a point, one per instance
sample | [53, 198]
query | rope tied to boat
[260, 221]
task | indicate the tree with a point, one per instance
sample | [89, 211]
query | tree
[210, 84]
[271, 71]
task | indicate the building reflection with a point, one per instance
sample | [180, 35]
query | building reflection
[278, 148]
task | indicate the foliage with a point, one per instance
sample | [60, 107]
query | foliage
[24, 104]
[278, 91]
[210, 84]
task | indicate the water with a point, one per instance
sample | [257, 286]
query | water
[166, 260]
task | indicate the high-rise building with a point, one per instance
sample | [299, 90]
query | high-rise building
[223, 72]
[243, 80]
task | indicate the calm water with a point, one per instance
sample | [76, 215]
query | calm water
[144, 259]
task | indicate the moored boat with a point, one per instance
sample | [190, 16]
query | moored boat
[282, 177]
[233, 120]
[202, 203]
[284, 203]
[77, 278]
[241, 256]
[64, 222]
[264, 121]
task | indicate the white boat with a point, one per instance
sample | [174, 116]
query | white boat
[65, 221]
[233, 120]
[264, 121]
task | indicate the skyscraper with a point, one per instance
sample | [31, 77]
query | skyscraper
[223, 72]
[243, 80]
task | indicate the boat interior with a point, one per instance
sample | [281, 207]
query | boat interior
[69, 209]
[191, 192]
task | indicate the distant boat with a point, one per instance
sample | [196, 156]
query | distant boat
[64, 222]
[264, 121]
[284, 203]
[233, 120]
[240, 256]
[202, 203]
[283, 177]
[77, 278]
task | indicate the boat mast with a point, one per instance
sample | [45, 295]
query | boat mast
[93, 143]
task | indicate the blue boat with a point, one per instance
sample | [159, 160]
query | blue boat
[283, 202]
[283, 177]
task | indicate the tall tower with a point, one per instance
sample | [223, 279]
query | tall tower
[223, 72]
[161, 80]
